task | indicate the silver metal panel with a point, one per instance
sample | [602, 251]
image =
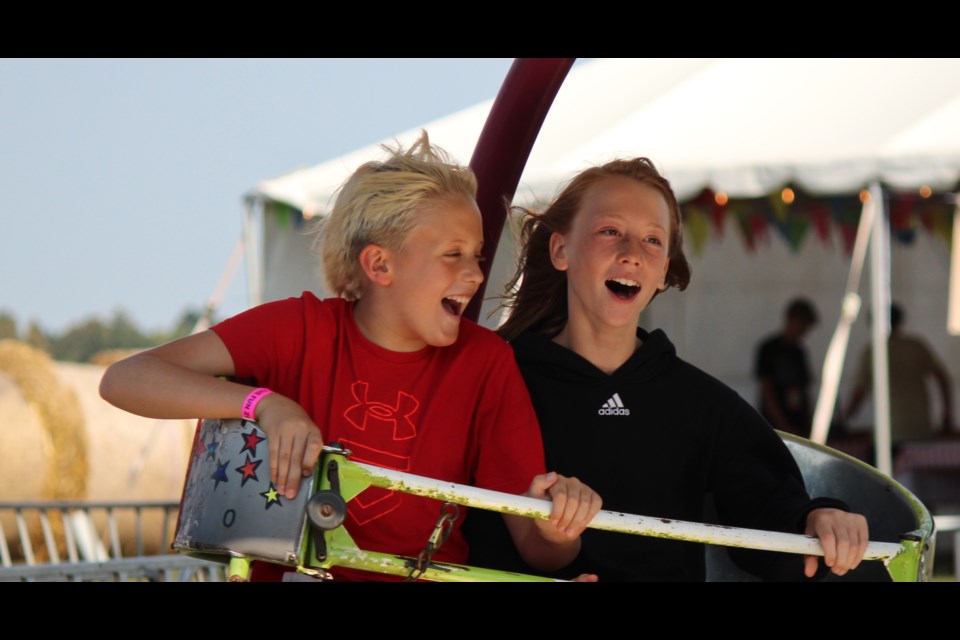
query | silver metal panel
[229, 505]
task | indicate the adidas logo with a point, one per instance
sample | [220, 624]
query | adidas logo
[613, 407]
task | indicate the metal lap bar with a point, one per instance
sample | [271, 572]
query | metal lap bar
[342, 551]
[903, 561]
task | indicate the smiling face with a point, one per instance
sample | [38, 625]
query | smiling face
[615, 254]
[419, 291]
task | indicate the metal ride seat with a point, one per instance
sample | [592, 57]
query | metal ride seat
[232, 513]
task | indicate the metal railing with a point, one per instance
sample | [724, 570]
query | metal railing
[951, 524]
[86, 541]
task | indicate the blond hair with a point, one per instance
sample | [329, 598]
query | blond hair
[379, 203]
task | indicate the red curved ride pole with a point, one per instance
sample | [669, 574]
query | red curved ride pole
[505, 143]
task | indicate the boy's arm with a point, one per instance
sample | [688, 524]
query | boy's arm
[181, 380]
[548, 545]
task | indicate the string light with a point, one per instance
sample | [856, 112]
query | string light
[864, 195]
[925, 191]
[720, 198]
[787, 195]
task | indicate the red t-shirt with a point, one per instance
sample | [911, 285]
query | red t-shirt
[459, 413]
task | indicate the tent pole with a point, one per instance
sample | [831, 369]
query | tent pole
[251, 240]
[206, 318]
[849, 310]
[880, 330]
[953, 300]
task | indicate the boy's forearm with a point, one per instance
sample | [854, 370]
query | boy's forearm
[177, 380]
[152, 387]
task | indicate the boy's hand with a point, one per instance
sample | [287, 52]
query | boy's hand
[843, 536]
[294, 442]
[574, 506]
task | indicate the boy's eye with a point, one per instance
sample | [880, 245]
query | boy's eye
[654, 240]
[609, 232]
[480, 258]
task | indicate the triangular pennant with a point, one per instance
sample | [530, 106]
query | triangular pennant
[943, 227]
[718, 215]
[778, 207]
[742, 218]
[796, 230]
[820, 218]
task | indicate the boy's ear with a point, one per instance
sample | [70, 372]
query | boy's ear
[375, 264]
[558, 251]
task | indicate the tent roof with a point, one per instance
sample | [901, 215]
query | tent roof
[741, 126]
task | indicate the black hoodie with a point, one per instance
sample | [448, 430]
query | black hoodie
[656, 438]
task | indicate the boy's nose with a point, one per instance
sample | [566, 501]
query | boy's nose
[473, 272]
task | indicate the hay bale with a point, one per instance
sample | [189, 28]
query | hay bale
[58, 414]
[131, 457]
[69, 444]
[24, 445]
[109, 356]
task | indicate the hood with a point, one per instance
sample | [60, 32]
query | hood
[535, 352]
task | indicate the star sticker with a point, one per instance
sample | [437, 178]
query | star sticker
[199, 448]
[249, 470]
[272, 496]
[211, 450]
[220, 475]
[250, 441]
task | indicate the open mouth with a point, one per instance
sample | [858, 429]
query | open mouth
[623, 288]
[455, 304]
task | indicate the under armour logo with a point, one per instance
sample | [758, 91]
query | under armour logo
[359, 414]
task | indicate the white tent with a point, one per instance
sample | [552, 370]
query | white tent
[742, 127]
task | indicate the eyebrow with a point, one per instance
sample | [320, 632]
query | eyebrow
[621, 217]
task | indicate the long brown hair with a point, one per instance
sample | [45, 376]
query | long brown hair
[540, 302]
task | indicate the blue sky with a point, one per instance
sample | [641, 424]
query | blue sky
[122, 179]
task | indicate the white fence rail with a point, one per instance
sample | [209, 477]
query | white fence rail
[95, 541]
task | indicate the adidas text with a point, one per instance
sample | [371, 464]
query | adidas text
[619, 411]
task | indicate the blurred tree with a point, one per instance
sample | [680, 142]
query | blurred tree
[188, 320]
[8, 325]
[81, 341]
[37, 338]
[124, 334]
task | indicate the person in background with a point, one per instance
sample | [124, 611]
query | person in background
[783, 371]
[912, 364]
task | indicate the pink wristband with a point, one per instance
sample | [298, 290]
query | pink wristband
[251, 401]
